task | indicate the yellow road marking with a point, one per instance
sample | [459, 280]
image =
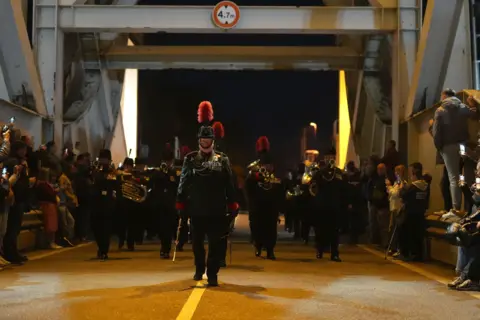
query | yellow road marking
[192, 302]
[416, 269]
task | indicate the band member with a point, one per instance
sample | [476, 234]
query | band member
[330, 201]
[264, 199]
[105, 187]
[205, 189]
[127, 209]
[184, 234]
[164, 187]
[219, 132]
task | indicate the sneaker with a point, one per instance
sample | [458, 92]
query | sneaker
[469, 285]
[3, 262]
[68, 242]
[455, 283]
[55, 246]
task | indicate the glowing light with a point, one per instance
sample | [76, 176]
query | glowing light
[314, 126]
[129, 108]
[344, 128]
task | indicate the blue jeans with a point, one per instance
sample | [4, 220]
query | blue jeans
[451, 157]
[465, 258]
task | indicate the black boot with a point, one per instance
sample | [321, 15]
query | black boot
[104, 257]
[198, 276]
[335, 258]
[222, 264]
[271, 255]
[258, 251]
[213, 281]
[319, 255]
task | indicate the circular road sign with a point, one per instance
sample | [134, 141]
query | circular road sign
[226, 14]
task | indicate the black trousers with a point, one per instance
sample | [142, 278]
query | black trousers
[14, 226]
[214, 227]
[128, 222]
[165, 230]
[102, 225]
[224, 248]
[412, 233]
[326, 235]
[264, 229]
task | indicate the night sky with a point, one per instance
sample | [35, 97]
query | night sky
[249, 103]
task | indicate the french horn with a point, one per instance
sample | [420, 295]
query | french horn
[296, 191]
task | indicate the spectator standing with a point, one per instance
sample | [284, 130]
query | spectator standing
[450, 130]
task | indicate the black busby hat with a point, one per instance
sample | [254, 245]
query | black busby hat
[105, 154]
[128, 162]
[205, 116]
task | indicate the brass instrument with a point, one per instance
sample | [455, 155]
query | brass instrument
[268, 178]
[164, 167]
[133, 190]
[297, 191]
[308, 176]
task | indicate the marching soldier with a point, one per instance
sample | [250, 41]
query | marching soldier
[264, 200]
[354, 217]
[205, 189]
[164, 187]
[127, 209]
[105, 186]
[329, 202]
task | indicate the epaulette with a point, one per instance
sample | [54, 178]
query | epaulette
[221, 154]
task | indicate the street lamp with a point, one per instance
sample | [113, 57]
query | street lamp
[314, 126]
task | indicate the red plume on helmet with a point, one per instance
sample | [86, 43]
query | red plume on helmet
[263, 144]
[205, 112]
[218, 129]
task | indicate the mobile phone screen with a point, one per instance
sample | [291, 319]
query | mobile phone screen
[477, 180]
[462, 149]
[12, 119]
[462, 178]
[4, 171]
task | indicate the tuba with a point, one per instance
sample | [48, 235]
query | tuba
[133, 190]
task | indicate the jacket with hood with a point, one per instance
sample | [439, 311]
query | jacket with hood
[451, 123]
[415, 197]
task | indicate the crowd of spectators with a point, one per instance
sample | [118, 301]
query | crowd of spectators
[40, 180]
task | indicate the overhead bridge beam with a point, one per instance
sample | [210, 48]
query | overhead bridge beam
[198, 19]
[226, 57]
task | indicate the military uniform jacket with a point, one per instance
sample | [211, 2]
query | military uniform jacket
[262, 197]
[206, 184]
[332, 190]
[164, 187]
[106, 186]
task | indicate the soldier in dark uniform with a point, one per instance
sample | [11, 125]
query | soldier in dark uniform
[127, 210]
[330, 202]
[264, 193]
[182, 235]
[164, 184]
[105, 187]
[205, 190]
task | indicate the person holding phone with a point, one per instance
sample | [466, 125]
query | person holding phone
[6, 196]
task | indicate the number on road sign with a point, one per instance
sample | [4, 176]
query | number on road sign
[226, 14]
